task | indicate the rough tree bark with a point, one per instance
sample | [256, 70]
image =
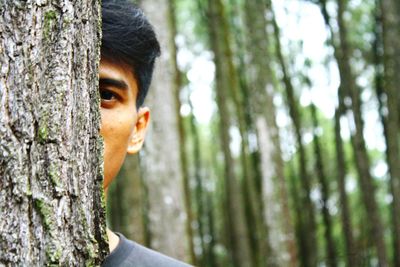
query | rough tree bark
[162, 170]
[51, 205]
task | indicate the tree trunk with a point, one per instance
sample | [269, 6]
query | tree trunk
[254, 206]
[250, 181]
[331, 258]
[162, 170]
[124, 193]
[199, 192]
[348, 233]
[309, 223]
[182, 135]
[348, 88]
[391, 85]
[51, 201]
[361, 156]
[300, 227]
[238, 239]
[353, 257]
[260, 95]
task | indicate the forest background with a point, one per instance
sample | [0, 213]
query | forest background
[274, 138]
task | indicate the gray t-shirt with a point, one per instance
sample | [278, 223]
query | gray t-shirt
[130, 254]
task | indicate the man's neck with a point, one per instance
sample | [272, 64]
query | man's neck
[113, 240]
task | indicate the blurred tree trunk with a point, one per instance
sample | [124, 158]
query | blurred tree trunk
[331, 258]
[310, 251]
[217, 207]
[197, 164]
[351, 248]
[348, 84]
[300, 228]
[51, 206]
[238, 237]
[259, 93]
[211, 259]
[182, 134]
[162, 170]
[126, 200]
[250, 164]
[348, 88]
[390, 21]
[352, 254]
[254, 206]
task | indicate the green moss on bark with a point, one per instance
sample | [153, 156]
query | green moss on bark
[93, 253]
[45, 212]
[43, 133]
[53, 256]
[43, 128]
[49, 18]
[54, 174]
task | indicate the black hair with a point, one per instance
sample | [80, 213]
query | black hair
[128, 38]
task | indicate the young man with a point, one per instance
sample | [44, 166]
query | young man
[129, 49]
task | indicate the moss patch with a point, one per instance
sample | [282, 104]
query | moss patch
[54, 174]
[53, 256]
[43, 128]
[45, 212]
[49, 21]
[43, 133]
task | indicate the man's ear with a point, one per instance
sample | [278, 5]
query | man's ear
[139, 132]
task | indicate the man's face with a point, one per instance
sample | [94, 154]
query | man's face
[123, 127]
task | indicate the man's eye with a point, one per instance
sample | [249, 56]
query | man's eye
[107, 95]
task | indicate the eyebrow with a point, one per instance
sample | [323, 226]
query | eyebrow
[119, 84]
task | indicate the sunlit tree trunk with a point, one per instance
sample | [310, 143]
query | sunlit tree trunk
[51, 206]
[162, 170]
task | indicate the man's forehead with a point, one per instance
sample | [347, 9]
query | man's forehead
[116, 69]
[118, 76]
